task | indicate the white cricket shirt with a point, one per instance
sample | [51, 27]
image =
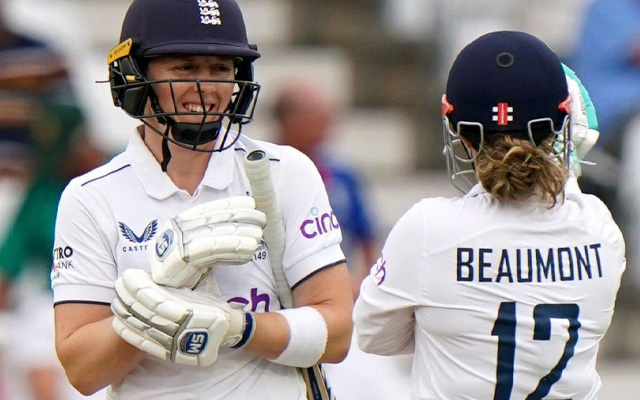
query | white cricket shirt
[108, 217]
[497, 301]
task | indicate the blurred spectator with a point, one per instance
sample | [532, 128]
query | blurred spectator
[37, 158]
[305, 117]
[607, 59]
[60, 152]
[28, 69]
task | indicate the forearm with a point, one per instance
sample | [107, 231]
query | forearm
[273, 334]
[339, 332]
[94, 356]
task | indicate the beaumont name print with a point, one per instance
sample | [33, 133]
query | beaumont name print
[559, 264]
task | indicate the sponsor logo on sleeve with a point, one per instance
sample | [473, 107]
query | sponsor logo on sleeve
[319, 223]
[62, 260]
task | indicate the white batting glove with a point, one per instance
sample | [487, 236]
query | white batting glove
[176, 324]
[584, 122]
[227, 230]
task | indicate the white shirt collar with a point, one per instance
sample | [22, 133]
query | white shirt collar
[570, 187]
[476, 190]
[219, 173]
[157, 184]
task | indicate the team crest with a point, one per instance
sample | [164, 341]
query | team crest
[148, 233]
[209, 12]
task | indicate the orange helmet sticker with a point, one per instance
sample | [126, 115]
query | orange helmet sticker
[447, 108]
[566, 105]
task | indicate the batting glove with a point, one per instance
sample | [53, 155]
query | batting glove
[176, 324]
[227, 230]
[584, 122]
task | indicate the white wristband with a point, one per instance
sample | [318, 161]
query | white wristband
[308, 337]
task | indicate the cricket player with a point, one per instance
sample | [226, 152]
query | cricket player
[506, 292]
[162, 281]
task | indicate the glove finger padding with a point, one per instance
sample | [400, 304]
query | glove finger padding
[584, 122]
[173, 324]
[228, 230]
[128, 328]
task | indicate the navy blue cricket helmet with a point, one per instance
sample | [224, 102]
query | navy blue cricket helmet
[504, 83]
[154, 28]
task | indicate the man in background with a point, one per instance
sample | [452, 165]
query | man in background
[305, 117]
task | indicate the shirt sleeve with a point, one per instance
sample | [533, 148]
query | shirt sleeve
[83, 269]
[312, 231]
[384, 311]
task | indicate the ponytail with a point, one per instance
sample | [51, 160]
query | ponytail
[514, 169]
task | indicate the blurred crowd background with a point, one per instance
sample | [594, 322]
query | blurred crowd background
[354, 84]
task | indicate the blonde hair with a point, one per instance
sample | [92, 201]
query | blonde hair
[514, 169]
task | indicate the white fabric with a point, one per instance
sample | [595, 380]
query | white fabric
[385, 377]
[132, 190]
[227, 230]
[420, 296]
[308, 337]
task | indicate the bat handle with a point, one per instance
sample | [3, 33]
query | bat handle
[259, 175]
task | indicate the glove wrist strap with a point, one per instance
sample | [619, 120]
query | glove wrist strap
[248, 331]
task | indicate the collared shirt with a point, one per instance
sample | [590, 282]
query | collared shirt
[99, 234]
[494, 297]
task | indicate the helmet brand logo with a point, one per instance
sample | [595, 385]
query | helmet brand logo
[503, 114]
[209, 12]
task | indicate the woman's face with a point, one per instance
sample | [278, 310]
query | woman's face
[185, 97]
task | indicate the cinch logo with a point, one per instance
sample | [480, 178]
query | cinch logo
[148, 233]
[256, 300]
[164, 243]
[319, 225]
[194, 342]
[381, 270]
[209, 12]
